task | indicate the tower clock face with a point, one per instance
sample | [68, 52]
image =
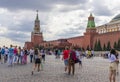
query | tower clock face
[37, 28]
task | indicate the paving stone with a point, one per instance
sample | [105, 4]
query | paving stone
[94, 70]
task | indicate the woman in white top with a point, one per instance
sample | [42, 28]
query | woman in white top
[113, 65]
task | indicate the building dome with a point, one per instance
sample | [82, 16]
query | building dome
[117, 17]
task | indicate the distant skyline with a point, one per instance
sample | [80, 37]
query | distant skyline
[58, 18]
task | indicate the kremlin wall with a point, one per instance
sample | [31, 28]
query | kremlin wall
[105, 34]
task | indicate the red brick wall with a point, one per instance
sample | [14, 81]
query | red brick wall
[104, 38]
[76, 41]
[28, 45]
[89, 37]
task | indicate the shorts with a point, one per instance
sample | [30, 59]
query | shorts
[37, 61]
[43, 56]
[66, 62]
[80, 62]
[113, 66]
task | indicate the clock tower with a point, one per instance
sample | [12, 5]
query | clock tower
[36, 35]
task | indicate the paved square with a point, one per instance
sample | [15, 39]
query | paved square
[93, 70]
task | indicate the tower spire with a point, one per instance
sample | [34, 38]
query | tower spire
[91, 15]
[91, 23]
[37, 24]
[37, 18]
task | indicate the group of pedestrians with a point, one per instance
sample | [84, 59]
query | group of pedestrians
[89, 53]
[57, 53]
[13, 55]
[71, 57]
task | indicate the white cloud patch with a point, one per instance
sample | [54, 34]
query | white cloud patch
[60, 22]
[7, 42]
[58, 19]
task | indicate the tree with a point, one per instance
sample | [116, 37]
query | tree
[88, 47]
[95, 46]
[41, 47]
[115, 45]
[118, 45]
[99, 46]
[108, 46]
[104, 47]
[83, 49]
[36, 46]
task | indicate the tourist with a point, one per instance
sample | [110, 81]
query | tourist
[113, 65]
[15, 54]
[2, 54]
[71, 61]
[19, 55]
[22, 56]
[89, 54]
[10, 56]
[92, 53]
[6, 54]
[65, 57]
[56, 53]
[31, 55]
[79, 57]
[43, 55]
[37, 60]
[117, 62]
[25, 55]
[59, 53]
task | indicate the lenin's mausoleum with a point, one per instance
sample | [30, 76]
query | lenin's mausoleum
[107, 34]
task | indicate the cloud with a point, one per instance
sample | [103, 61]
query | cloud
[16, 36]
[71, 32]
[42, 5]
[58, 18]
[25, 26]
[101, 9]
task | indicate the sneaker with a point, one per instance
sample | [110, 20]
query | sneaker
[38, 70]
[32, 73]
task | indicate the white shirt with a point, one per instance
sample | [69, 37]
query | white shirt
[111, 57]
[31, 52]
[6, 51]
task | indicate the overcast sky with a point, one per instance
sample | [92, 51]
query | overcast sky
[58, 18]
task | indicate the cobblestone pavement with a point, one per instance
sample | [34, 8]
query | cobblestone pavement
[93, 70]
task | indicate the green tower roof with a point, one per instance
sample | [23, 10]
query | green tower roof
[91, 23]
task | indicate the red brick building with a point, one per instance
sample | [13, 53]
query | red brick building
[92, 35]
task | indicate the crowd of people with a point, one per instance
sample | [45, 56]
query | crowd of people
[13, 55]
[17, 55]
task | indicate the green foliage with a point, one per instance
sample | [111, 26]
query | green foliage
[108, 46]
[99, 48]
[115, 45]
[95, 46]
[88, 47]
[36, 46]
[83, 49]
[104, 47]
[41, 47]
[118, 45]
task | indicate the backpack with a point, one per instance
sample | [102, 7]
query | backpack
[73, 58]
